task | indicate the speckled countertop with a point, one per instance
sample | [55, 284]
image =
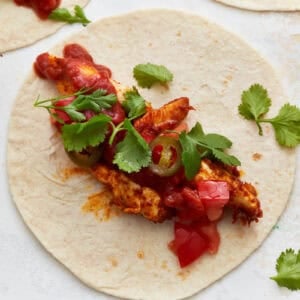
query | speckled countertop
[27, 271]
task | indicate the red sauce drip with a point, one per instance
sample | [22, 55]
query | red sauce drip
[42, 8]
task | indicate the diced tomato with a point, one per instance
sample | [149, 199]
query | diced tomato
[188, 244]
[191, 207]
[214, 196]
[193, 240]
[213, 190]
[188, 214]
[210, 231]
[193, 200]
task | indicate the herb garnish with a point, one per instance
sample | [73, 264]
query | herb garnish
[256, 103]
[148, 74]
[288, 270]
[64, 15]
[197, 145]
[79, 136]
[95, 101]
[132, 153]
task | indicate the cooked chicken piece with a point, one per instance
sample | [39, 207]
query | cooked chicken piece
[243, 196]
[167, 117]
[131, 197]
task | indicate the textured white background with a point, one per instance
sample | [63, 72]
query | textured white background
[27, 271]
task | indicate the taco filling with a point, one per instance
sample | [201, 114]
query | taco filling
[143, 154]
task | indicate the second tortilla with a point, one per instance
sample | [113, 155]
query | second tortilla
[20, 26]
[264, 5]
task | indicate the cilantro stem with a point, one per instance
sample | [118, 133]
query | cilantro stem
[116, 129]
[38, 102]
[260, 131]
[49, 106]
[204, 154]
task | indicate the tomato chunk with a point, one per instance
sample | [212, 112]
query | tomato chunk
[188, 244]
[210, 231]
[214, 196]
[193, 200]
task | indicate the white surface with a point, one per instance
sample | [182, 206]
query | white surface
[27, 271]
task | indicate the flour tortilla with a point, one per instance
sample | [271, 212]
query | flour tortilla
[127, 256]
[264, 5]
[20, 26]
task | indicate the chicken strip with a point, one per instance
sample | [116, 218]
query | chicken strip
[243, 196]
[131, 197]
[167, 117]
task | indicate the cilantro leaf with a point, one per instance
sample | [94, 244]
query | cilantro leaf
[191, 157]
[225, 158]
[214, 140]
[197, 145]
[96, 101]
[287, 125]
[256, 103]
[78, 136]
[133, 152]
[148, 74]
[64, 15]
[288, 270]
[134, 104]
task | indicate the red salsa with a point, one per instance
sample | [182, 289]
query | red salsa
[42, 8]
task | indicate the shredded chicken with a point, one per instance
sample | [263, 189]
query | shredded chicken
[131, 197]
[167, 117]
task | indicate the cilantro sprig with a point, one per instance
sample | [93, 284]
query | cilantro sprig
[256, 103]
[288, 270]
[132, 153]
[196, 145]
[95, 101]
[148, 74]
[64, 15]
[134, 104]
